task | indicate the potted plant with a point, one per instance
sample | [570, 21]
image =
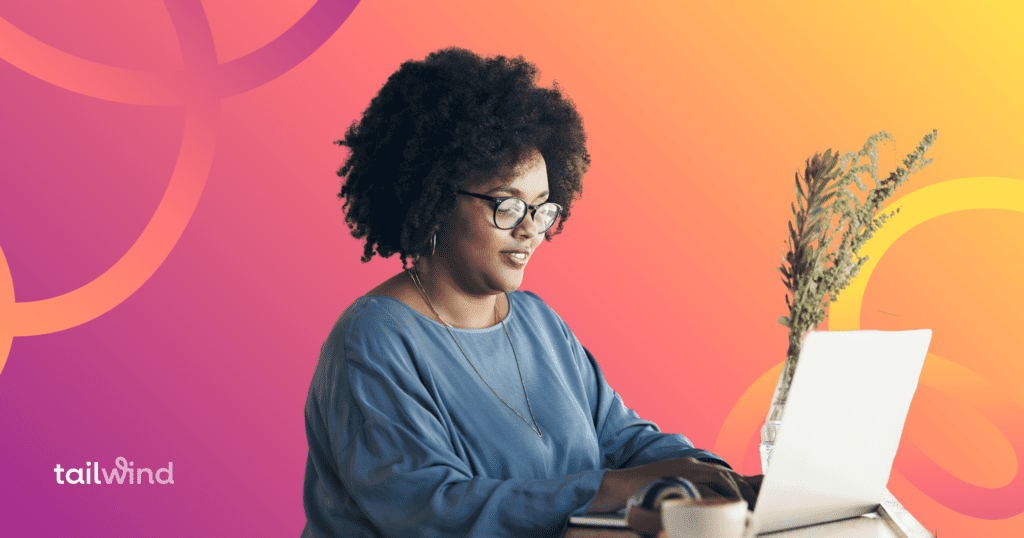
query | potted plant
[830, 224]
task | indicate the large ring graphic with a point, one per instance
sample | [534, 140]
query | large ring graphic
[200, 88]
[953, 379]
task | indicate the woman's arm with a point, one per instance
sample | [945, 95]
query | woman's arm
[638, 452]
[409, 486]
[711, 479]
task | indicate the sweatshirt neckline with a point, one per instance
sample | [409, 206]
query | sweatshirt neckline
[420, 315]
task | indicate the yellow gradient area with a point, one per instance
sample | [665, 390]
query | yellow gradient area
[917, 207]
[961, 418]
[979, 411]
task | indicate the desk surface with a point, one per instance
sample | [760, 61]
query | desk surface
[890, 521]
[867, 526]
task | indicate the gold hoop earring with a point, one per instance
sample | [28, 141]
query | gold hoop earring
[433, 244]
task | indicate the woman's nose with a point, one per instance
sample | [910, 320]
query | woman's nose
[528, 225]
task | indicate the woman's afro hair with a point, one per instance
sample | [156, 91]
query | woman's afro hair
[447, 121]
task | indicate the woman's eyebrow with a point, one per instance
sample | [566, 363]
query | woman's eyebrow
[515, 192]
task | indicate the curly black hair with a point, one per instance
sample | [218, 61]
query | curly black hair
[450, 120]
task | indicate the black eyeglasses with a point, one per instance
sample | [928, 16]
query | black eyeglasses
[509, 211]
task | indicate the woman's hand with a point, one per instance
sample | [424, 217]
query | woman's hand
[712, 480]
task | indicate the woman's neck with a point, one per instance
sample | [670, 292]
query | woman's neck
[456, 305]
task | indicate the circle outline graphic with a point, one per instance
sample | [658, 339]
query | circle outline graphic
[916, 208]
[200, 89]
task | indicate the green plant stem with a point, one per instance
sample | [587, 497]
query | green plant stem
[822, 259]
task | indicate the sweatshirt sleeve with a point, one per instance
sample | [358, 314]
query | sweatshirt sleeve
[383, 453]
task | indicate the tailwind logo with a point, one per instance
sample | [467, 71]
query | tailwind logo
[90, 474]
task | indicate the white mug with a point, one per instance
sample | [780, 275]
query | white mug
[693, 518]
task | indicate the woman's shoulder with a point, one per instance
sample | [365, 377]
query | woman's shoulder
[547, 326]
[530, 301]
[526, 304]
[533, 310]
[375, 333]
[372, 325]
[375, 316]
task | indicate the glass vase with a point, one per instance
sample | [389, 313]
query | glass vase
[769, 430]
[772, 423]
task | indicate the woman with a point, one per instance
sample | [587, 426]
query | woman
[445, 402]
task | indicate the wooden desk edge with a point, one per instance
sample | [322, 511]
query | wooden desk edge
[900, 520]
[902, 523]
[600, 532]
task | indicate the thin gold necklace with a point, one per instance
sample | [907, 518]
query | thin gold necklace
[414, 275]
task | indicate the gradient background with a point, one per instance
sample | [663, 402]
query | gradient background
[173, 254]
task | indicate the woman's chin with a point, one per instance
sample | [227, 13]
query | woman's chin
[512, 286]
[510, 281]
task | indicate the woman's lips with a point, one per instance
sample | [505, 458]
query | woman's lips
[515, 258]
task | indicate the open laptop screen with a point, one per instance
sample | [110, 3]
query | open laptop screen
[841, 426]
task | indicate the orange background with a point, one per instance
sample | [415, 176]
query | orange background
[698, 116]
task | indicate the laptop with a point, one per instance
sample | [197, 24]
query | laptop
[840, 430]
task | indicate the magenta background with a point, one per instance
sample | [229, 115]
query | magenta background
[208, 363]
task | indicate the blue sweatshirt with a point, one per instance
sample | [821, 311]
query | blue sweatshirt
[407, 439]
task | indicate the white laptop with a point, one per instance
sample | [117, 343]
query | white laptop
[840, 429]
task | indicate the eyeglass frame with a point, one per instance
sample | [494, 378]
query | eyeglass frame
[498, 200]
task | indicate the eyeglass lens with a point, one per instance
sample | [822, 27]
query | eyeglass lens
[511, 212]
